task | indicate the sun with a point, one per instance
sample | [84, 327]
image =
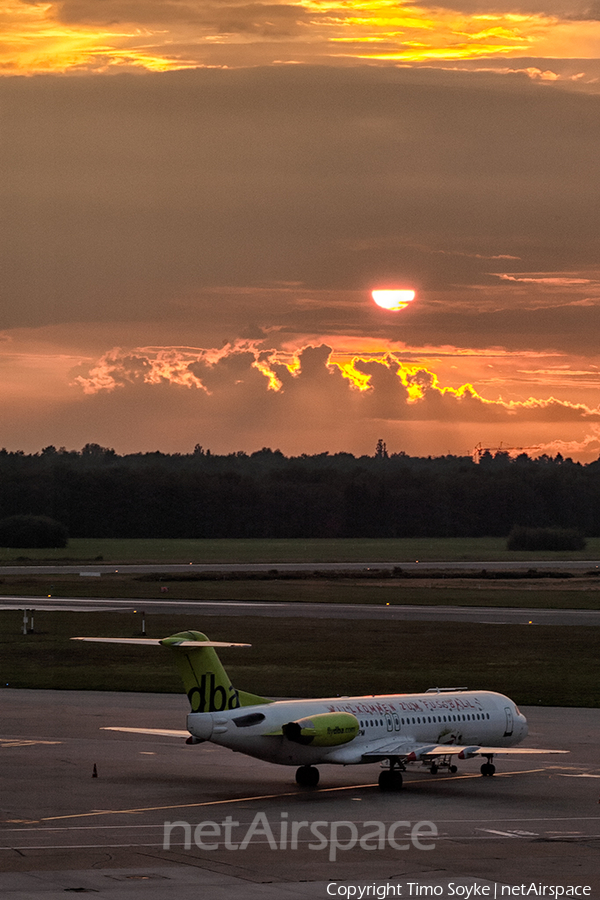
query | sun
[393, 299]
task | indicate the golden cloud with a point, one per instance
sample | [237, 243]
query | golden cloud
[75, 35]
[393, 389]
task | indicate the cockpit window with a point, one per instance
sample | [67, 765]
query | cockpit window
[250, 719]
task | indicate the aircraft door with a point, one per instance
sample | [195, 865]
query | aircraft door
[509, 721]
[388, 720]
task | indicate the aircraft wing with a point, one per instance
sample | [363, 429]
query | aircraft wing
[410, 752]
[161, 732]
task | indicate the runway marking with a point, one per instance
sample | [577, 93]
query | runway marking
[116, 812]
[296, 793]
[565, 775]
[510, 834]
[150, 826]
[478, 775]
[493, 835]
[7, 743]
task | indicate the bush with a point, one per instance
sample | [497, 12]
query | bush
[32, 531]
[522, 538]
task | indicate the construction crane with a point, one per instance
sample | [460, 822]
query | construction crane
[479, 450]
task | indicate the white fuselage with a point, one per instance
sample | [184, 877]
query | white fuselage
[479, 718]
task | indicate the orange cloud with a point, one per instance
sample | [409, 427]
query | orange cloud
[76, 35]
[394, 390]
[179, 366]
[552, 280]
[589, 444]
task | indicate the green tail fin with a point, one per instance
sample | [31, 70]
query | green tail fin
[207, 685]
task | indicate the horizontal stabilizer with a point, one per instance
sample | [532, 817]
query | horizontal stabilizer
[206, 683]
[160, 732]
[156, 642]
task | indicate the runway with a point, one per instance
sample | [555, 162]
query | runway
[392, 612]
[63, 830]
[552, 565]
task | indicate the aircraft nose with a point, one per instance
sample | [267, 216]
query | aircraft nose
[524, 727]
[200, 725]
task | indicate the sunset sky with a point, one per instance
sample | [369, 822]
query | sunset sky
[198, 197]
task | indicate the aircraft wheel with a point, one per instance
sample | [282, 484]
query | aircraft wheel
[390, 780]
[433, 769]
[488, 769]
[453, 770]
[307, 776]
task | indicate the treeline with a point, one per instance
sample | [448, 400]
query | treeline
[97, 493]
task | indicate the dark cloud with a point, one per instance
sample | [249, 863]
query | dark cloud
[222, 17]
[242, 15]
[564, 329]
[580, 10]
[139, 198]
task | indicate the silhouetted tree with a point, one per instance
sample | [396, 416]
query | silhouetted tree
[32, 531]
[98, 493]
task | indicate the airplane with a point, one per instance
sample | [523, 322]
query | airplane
[435, 728]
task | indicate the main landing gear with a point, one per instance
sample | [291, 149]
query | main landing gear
[391, 779]
[307, 776]
[488, 768]
[442, 763]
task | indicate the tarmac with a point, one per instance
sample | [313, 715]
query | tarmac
[246, 830]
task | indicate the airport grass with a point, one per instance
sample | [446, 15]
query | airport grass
[576, 593]
[113, 550]
[534, 664]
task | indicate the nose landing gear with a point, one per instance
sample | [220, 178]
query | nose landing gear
[307, 776]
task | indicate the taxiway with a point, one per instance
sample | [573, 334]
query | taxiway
[65, 830]
[491, 615]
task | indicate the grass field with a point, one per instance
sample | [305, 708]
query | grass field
[301, 657]
[279, 551]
